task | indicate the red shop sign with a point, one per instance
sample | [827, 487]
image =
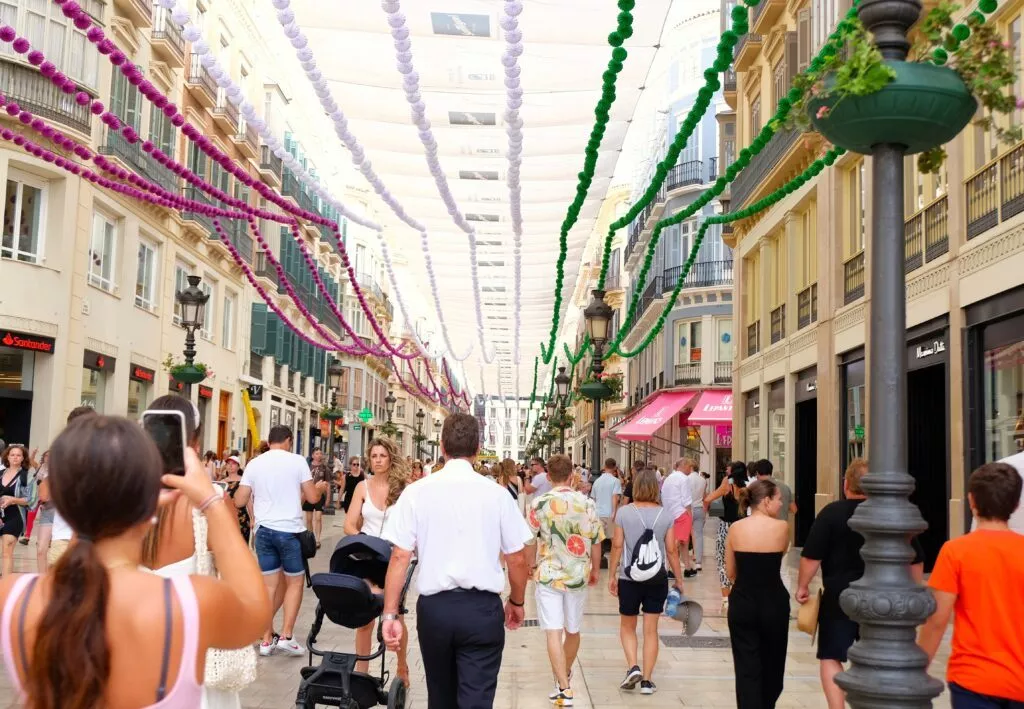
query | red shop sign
[174, 384]
[141, 374]
[205, 392]
[24, 341]
[98, 362]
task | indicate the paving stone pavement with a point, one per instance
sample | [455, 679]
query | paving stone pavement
[686, 677]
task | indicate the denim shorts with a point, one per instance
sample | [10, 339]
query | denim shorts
[278, 551]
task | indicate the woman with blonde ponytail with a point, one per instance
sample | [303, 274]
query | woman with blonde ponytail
[368, 513]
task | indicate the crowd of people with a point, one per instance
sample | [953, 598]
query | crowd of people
[114, 532]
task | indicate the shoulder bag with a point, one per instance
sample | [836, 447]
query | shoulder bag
[226, 670]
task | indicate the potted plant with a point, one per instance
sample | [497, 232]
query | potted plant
[331, 414]
[857, 99]
[187, 373]
[606, 385]
[389, 429]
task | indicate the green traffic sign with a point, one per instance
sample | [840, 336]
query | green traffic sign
[366, 415]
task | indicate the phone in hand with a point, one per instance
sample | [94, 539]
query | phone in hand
[167, 429]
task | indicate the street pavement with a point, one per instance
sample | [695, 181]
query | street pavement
[687, 676]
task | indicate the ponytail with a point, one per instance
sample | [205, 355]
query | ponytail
[70, 660]
[755, 493]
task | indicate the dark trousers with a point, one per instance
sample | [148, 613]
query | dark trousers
[759, 631]
[966, 699]
[462, 636]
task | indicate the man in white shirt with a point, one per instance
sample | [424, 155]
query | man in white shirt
[459, 524]
[698, 487]
[677, 499]
[428, 466]
[278, 482]
[538, 483]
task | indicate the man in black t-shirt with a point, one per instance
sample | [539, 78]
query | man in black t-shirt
[834, 547]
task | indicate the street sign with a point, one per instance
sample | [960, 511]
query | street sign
[858, 431]
[356, 427]
[366, 415]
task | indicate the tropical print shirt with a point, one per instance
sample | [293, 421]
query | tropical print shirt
[566, 524]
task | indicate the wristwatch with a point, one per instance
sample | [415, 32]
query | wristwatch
[389, 616]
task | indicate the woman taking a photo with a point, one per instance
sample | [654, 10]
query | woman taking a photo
[232, 478]
[14, 494]
[759, 606]
[728, 492]
[367, 513]
[631, 522]
[141, 639]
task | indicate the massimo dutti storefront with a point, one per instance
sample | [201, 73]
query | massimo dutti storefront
[994, 379]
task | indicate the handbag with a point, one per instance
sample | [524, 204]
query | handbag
[307, 541]
[807, 616]
[226, 670]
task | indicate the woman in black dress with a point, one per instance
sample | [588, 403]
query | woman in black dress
[14, 492]
[232, 478]
[759, 603]
[353, 477]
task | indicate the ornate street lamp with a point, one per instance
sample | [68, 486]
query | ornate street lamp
[334, 374]
[419, 431]
[437, 438]
[887, 668]
[192, 301]
[389, 404]
[598, 315]
[562, 383]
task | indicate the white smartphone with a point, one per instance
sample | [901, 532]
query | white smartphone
[167, 429]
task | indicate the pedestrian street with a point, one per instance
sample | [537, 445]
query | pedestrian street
[698, 673]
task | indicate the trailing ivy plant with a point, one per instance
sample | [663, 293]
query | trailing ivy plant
[973, 49]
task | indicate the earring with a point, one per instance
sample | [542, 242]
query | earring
[154, 520]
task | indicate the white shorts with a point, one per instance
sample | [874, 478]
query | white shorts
[560, 610]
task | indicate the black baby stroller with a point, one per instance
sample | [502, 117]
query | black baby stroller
[345, 599]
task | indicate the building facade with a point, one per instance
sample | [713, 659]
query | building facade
[805, 295]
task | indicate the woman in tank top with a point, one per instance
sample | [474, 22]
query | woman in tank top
[367, 514]
[148, 646]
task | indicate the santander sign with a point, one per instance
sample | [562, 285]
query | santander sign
[28, 342]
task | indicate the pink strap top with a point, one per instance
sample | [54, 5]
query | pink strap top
[186, 692]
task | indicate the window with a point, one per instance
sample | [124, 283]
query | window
[24, 207]
[197, 160]
[779, 289]
[145, 278]
[227, 332]
[206, 331]
[780, 81]
[689, 342]
[161, 132]
[103, 253]
[803, 38]
[725, 346]
[43, 24]
[125, 100]
[752, 292]
[854, 241]
[181, 271]
[728, 144]
[806, 254]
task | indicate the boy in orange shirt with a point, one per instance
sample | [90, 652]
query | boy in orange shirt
[979, 580]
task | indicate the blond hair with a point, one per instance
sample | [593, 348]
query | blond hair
[855, 471]
[398, 473]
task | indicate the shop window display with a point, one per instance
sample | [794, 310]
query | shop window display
[1004, 400]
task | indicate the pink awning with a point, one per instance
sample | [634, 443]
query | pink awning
[655, 415]
[712, 408]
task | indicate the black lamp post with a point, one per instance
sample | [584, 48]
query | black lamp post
[193, 313]
[553, 421]
[389, 406]
[437, 438]
[419, 431]
[598, 315]
[562, 383]
[542, 424]
[887, 669]
[334, 373]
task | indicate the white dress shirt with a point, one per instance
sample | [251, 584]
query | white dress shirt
[459, 523]
[676, 495]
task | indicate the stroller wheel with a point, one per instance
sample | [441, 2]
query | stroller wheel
[396, 695]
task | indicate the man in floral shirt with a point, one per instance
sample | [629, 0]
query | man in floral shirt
[569, 536]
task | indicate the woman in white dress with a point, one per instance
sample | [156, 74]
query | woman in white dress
[367, 514]
[169, 549]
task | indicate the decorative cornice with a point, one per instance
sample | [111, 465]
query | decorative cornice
[995, 249]
[750, 365]
[34, 327]
[850, 318]
[100, 346]
[929, 281]
[161, 75]
[778, 352]
[125, 35]
[804, 339]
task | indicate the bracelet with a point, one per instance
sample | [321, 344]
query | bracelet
[517, 605]
[205, 504]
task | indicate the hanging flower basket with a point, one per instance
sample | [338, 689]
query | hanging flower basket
[923, 107]
[188, 373]
[330, 414]
[595, 390]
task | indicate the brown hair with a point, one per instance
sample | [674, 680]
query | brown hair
[25, 463]
[165, 515]
[856, 470]
[645, 487]
[996, 489]
[106, 479]
[460, 436]
[507, 471]
[757, 492]
[559, 468]
[398, 473]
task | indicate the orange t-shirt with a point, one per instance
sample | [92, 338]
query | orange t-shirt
[985, 569]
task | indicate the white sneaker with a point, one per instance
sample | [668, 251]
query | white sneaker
[267, 649]
[290, 647]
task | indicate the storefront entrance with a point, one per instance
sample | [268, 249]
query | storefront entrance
[927, 433]
[805, 452]
[18, 354]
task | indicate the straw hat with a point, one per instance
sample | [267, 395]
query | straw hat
[807, 616]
